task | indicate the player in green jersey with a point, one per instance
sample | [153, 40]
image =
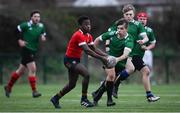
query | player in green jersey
[29, 34]
[148, 56]
[121, 44]
[136, 55]
[134, 62]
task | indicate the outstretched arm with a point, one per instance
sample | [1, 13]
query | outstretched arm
[144, 40]
[92, 53]
[149, 47]
[97, 50]
[125, 54]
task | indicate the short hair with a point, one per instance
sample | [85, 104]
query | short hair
[81, 19]
[34, 12]
[127, 8]
[121, 22]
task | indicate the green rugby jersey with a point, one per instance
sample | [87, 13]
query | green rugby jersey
[117, 45]
[151, 38]
[135, 29]
[31, 34]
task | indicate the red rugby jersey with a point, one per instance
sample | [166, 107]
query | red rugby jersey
[78, 38]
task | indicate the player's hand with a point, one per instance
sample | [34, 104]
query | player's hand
[22, 43]
[43, 38]
[143, 47]
[140, 42]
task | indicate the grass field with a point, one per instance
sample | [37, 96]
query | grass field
[131, 99]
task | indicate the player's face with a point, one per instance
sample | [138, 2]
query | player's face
[129, 16]
[143, 20]
[35, 18]
[121, 29]
[86, 26]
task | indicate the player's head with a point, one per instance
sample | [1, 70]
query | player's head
[128, 12]
[35, 16]
[84, 23]
[142, 17]
[122, 26]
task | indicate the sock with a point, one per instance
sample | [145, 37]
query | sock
[57, 96]
[100, 91]
[32, 81]
[14, 77]
[149, 94]
[100, 87]
[109, 88]
[123, 75]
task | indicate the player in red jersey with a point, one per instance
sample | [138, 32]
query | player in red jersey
[80, 41]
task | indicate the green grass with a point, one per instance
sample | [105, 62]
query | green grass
[131, 99]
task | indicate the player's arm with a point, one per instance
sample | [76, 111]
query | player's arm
[43, 38]
[129, 44]
[142, 34]
[152, 41]
[125, 54]
[94, 47]
[149, 47]
[144, 40]
[90, 52]
[43, 34]
[19, 35]
[97, 50]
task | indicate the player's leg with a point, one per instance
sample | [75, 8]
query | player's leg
[99, 92]
[147, 85]
[32, 78]
[109, 85]
[72, 77]
[122, 75]
[14, 77]
[101, 85]
[82, 70]
[140, 66]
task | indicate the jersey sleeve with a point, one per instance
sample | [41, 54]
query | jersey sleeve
[129, 42]
[22, 27]
[142, 30]
[107, 35]
[80, 39]
[151, 37]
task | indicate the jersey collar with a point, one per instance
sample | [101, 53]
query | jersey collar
[124, 37]
[132, 21]
[83, 33]
[31, 22]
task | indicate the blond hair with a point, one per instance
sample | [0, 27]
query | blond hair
[127, 8]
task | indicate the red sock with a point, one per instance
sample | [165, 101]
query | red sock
[32, 81]
[14, 77]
